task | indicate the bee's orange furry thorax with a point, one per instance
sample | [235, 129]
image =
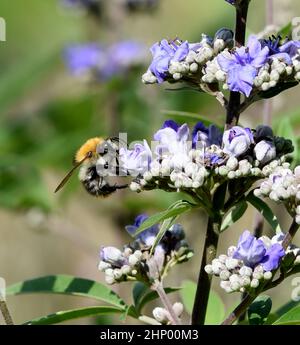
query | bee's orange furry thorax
[89, 146]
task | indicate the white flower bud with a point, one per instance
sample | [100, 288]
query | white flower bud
[245, 271]
[127, 252]
[138, 254]
[232, 163]
[231, 175]
[254, 283]
[109, 272]
[297, 260]
[235, 286]
[217, 267]
[160, 314]
[133, 260]
[177, 76]
[231, 263]
[223, 171]
[297, 219]
[224, 275]
[265, 151]
[109, 280]
[178, 308]
[149, 78]
[220, 76]
[208, 269]
[135, 187]
[103, 266]
[194, 67]
[274, 75]
[147, 176]
[223, 258]
[226, 286]
[234, 278]
[125, 269]
[268, 275]
[245, 281]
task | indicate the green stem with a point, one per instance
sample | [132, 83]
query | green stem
[204, 280]
[158, 287]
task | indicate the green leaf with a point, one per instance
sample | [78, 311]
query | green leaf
[166, 225]
[234, 215]
[215, 308]
[142, 295]
[287, 307]
[68, 285]
[259, 310]
[176, 209]
[286, 30]
[265, 210]
[292, 317]
[73, 314]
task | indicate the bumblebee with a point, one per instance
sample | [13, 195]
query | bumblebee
[96, 159]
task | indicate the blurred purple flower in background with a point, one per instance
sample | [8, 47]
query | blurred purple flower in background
[253, 251]
[242, 65]
[83, 58]
[104, 61]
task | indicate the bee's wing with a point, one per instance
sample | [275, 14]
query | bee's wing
[70, 173]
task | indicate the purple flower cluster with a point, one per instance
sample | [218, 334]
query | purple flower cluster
[136, 262]
[253, 252]
[261, 64]
[104, 62]
[183, 158]
[252, 263]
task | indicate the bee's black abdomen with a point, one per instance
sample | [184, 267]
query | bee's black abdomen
[96, 185]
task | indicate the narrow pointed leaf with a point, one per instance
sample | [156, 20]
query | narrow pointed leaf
[62, 316]
[67, 285]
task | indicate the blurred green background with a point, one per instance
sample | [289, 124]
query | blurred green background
[46, 114]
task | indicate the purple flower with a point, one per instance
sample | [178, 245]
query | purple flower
[206, 135]
[148, 235]
[272, 257]
[82, 58]
[242, 65]
[173, 141]
[237, 140]
[163, 53]
[253, 251]
[250, 250]
[136, 161]
[284, 52]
